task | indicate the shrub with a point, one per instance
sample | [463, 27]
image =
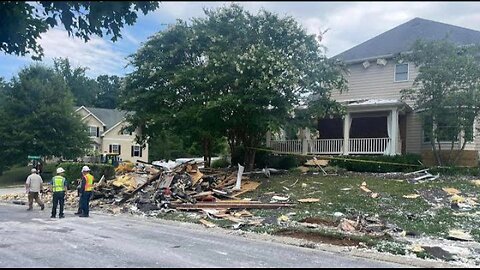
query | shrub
[73, 171]
[474, 171]
[220, 163]
[351, 164]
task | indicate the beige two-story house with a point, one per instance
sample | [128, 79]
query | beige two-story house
[105, 127]
[377, 120]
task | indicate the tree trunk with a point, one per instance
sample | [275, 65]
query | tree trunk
[460, 152]
[207, 155]
[450, 152]
[249, 159]
[438, 154]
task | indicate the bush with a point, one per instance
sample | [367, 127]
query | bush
[350, 164]
[73, 171]
[220, 163]
[266, 159]
[474, 171]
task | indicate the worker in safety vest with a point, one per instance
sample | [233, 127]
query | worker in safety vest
[59, 187]
[86, 189]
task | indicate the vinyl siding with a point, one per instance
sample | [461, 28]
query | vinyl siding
[374, 82]
[126, 141]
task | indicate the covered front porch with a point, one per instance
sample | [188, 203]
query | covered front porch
[375, 127]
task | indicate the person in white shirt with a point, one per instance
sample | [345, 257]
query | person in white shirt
[33, 186]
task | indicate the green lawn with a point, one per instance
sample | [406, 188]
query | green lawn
[418, 215]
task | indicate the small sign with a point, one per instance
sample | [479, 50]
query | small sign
[34, 157]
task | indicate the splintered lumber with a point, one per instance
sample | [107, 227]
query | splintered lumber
[207, 224]
[223, 204]
[129, 195]
[246, 187]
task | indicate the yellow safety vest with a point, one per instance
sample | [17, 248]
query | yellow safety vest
[88, 182]
[58, 183]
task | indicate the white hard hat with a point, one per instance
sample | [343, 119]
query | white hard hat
[60, 170]
[34, 170]
[85, 169]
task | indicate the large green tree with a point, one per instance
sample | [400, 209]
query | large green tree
[22, 23]
[108, 91]
[446, 93]
[83, 88]
[36, 118]
[232, 74]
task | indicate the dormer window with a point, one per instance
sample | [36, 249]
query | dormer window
[401, 72]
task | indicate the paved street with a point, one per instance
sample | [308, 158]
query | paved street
[32, 239]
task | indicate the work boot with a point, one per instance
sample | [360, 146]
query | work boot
[62, 216]
[42, 207]
[77, 213]
[52, 217]
[83, 216]
[29, 209]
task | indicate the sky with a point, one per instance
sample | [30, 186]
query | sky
[348, 24]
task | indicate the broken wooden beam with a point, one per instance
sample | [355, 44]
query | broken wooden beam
[220, 205]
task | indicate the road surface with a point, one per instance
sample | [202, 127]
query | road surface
[32, 239]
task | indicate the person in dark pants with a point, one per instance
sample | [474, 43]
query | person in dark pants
[59, 187]
[86, 189]
[79, 211]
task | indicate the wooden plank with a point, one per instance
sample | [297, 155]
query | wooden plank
[220, 205]
[129, 195]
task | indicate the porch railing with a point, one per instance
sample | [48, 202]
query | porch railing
[326, 146]
[287, 146]
[368, 145]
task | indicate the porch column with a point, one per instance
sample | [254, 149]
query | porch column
[346, 133]
[305, 137]
[269, 138]
[394, 134]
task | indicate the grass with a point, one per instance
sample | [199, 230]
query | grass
[415, 215]
[428, 215]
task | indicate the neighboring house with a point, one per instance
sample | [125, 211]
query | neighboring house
[377, 121]
[105, 130]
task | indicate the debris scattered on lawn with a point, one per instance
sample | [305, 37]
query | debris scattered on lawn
[207, 224]
[416, 248]
[345, 189]
[476, 182]
[422, 175]
[309, 200]
[347, 225]
[279, 198]
[374, 195]
[316, 162]
[304, 185]
[451, 191]
[459, 235]
[411, 196]
[337, 214]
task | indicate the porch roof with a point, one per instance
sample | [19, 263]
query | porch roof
[366, 104]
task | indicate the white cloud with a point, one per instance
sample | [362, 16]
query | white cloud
[99, 55]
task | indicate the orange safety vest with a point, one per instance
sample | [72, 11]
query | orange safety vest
[88, 182]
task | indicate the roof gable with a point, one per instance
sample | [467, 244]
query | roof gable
[109, 117]
[402, 37]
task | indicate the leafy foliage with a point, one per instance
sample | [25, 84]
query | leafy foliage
[73, 172]
[36, 118]
[22, 23]
[446, 92]
[231, 74]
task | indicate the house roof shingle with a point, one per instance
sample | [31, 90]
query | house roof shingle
[402, 37]
[108, 116]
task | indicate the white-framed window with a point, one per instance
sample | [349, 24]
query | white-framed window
[114, 148]
[401, 72]
[136, 151]
[93, 131]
